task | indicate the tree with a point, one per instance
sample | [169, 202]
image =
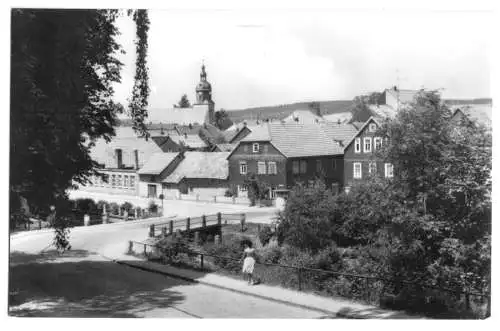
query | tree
[257, 189]
[222, 120]
[360, 108]
[184, 102]
[63, 65]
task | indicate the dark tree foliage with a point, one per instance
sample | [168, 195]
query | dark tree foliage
[184, 102]
[222, 120]
[63, 65]
[139, 102]
[431, 223]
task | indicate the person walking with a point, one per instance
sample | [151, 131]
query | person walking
[248, 263]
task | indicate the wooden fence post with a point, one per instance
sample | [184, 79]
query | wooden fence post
[201, 261]
[203, 221]
[151, 231]
[242, 221]
[188, 223]
[219, 219]
[300, 278]
[145, 254]
[215, 198]
[171, 227]
[130, 247]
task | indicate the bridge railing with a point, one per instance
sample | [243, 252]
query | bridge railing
[188, 223]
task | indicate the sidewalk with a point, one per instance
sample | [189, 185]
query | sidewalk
[334, 307]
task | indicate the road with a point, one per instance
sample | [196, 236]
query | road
[83, 283]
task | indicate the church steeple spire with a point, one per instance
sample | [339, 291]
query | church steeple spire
[203, 74]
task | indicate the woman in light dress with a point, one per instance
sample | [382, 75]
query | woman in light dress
[248, 263]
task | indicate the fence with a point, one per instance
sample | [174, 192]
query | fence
[364, 287]
[189, 223]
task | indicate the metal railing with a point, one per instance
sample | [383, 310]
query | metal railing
[302, 273]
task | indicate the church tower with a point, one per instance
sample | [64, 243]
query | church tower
[204, 95]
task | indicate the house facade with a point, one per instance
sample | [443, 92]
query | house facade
[282, 155]
[360, 160]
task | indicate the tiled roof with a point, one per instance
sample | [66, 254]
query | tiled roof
[297, 140]
[183, 116]
[189, 140]
[339, 132]
[343, 117]
[480, 113]
[383, 111]
[230, 134]
[358, 125]
[303, 117]
[226, 147]
[200, 165]
[104, 153]
[259, 133]
[157, 163]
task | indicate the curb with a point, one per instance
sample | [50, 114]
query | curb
[191, 280]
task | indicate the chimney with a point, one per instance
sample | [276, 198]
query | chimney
[119, 160]
[136, 157]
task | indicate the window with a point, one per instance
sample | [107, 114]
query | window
[243, 168]
[357, 145]
[389, 170]
[319, 168]
[113, 181]
[242, 188]
[271, 168]
[303, 166]
[367, 142]
[119, 181]
[372, 168]
[372, 127]
[377, 143]
[261, 168]
[357, 170]
[295, 167]
[125, 181]
[334, 164]
[132, 181]
[245, 148]
[255, 147]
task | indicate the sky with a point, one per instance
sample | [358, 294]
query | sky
[258, 58]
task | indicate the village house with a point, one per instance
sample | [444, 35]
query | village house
[282, 155]
[119, 161]
[480, 114]
[194, 173]
[360, 160]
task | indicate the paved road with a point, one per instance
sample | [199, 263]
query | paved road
[83, 283]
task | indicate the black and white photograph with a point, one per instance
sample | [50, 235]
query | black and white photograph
[249, 162]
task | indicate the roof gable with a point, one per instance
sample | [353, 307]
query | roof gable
[209, 165]
[157, 163]
[361, 129]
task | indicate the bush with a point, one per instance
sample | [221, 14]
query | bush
[229, 193]
[114, 208]
[101, 204]
[265, 235]
[127, 206]
[152, 207]
[87, 206]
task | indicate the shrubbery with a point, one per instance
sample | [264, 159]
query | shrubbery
[265, 235]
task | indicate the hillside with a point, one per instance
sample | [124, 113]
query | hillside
[282, 111]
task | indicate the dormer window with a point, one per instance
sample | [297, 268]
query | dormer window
[372, 127]
[255, 147]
